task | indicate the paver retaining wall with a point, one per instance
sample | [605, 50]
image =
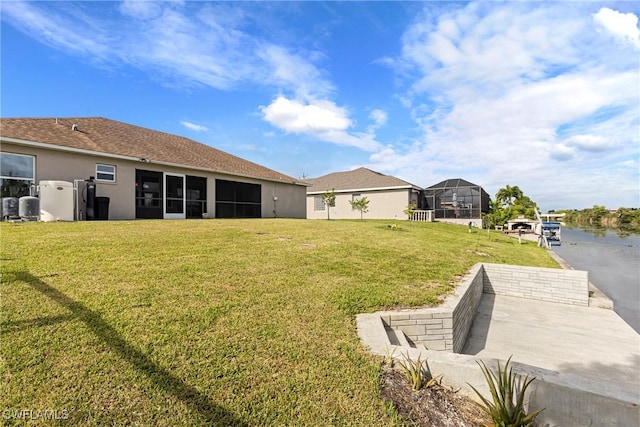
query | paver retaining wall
[545, 284]
[446, 327]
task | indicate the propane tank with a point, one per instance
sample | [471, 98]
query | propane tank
[91, 199]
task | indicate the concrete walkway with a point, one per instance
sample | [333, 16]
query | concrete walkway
[590, 342]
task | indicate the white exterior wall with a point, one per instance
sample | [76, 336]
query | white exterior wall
[383, 204]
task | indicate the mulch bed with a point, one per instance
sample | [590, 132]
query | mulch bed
[436, 406]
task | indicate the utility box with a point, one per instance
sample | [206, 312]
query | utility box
[56, 201]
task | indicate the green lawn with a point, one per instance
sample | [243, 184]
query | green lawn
[219, 322]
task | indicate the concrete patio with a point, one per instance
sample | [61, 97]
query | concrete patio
[589, 342]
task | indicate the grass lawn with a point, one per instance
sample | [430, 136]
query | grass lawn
[219, 322]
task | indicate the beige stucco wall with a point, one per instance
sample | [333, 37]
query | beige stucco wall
[290, 203]
[66, 166]
[383, 204]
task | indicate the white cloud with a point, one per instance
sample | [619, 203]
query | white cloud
[503, 93]
[293, 71]
[298, 117]
[251, 147]
[193, 126]
[623, 26]
[379, 118]
[201, 44]
[387, 159]
[514, 93]
[181, 43]
[363, 141]
[561, 152]
[140, 9]
[65, 30]
[593, 143]
[320, 118]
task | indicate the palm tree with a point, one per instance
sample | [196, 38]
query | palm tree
[508, 195]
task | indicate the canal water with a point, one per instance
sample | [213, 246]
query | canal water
[613, 263]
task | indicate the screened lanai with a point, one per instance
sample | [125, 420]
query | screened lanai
[456, 199]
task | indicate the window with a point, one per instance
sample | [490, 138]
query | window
[105, 173]
[318, 203]
[17, 173]
[356, 196]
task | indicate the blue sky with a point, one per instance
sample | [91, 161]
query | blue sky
[543, 95]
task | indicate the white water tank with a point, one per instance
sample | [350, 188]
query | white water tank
[56, 201]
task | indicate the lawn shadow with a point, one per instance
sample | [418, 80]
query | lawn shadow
[17, 326]
[199, 402]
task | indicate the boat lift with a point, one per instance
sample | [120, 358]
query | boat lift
[549, 232]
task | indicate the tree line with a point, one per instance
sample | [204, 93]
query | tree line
[510, 202]
[627, 219]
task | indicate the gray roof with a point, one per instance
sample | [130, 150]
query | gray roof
[453, 183]
[360, 179]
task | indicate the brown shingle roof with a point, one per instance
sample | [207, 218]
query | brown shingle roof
[113, 137]
[357, 179]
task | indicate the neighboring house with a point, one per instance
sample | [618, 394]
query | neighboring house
[388, 196]
[521, 223]
[457, 201]
[144, 173]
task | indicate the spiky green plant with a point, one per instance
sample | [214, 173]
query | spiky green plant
[388, 356]
[505, 386]
[414, 370]
[433, 381]
[417, 374]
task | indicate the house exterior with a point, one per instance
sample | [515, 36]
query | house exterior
[144, 173]
[388, 196]
[521, 223]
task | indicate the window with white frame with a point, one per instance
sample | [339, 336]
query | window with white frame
[17, 174]
[356, 196]
[318, 203]
[106, 173]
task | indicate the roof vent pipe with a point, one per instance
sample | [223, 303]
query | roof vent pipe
[74, 127]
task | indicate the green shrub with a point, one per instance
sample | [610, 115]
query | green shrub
[505, 386]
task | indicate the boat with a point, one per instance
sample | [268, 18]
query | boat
[552, 231]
